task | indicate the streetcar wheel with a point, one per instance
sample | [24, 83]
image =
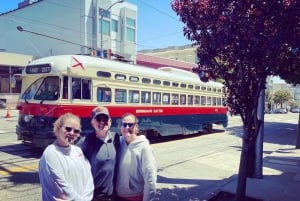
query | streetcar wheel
[207, 129]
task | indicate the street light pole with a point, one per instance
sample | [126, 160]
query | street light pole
[101, 13]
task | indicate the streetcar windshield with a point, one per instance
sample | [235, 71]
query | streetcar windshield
[43, 89]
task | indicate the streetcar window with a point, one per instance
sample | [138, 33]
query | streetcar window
[120, 77]
[156, 98]
[81, 88]
[134, 96]
[174, 99]
[146, 97]
[146, 80]
[182, 99]
[133, 79]
[214, 101]
[183, 85]
[31, 90]
[208, 101]
[203, 100]
[190, 100]
[166, 98]
[120, 96]
[86, 89]
[197, 87]
[209, 89]
[166, 83]
[103, 74]
[175, 84]
[203, 88]
[190, 86]
[214, 89]
[219, 101]
[197, 100]
[220, 90]
[49, 89]
[103, 94]
[65, 88]
[158, 82]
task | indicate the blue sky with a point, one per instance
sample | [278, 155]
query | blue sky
[158, 25]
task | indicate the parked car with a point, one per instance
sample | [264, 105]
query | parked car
[295, 110]
[2, 104]
[280, 111]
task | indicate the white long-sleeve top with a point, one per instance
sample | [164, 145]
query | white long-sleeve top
[65, 174]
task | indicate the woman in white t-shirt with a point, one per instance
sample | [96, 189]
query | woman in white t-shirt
[64, 172]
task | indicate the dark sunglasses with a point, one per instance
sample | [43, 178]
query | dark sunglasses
[124, 125]
[100, 118]
[69, 129]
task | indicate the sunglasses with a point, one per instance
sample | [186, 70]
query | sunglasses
[124, 125]
[100, 118]
[69, 129]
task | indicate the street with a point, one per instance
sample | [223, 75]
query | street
[188, 169]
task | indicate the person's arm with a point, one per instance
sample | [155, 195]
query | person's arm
[149, 173]
[89, 187]
[56, 181]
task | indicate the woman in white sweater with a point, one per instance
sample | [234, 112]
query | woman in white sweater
[137, 172]
[64, 172]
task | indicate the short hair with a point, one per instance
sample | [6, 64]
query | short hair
[135, 121]
[61, 120]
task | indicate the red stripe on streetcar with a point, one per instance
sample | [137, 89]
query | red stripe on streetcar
[117, 111]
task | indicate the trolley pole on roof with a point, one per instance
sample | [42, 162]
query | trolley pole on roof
[101, 13]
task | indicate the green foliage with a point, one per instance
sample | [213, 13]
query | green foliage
[281, 96]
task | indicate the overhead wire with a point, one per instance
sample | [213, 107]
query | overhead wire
[60, 28]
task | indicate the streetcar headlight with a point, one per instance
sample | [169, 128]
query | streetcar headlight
[27, 118]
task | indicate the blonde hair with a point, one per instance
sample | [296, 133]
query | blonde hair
[61, 120]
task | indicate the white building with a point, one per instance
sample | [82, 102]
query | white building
[53, 27]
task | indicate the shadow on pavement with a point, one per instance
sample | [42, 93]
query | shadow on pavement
[22, 150]
[279, 133]
[196, 189]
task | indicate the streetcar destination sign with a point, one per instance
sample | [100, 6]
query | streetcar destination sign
[40, 68]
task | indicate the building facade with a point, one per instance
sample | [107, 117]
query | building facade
[52, 27]
[11, 66]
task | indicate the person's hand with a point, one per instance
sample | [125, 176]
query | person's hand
[102, 127]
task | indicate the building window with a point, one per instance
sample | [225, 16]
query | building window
[114, 25]
[10, 79]
[105, 27]
[130, 34]
[130, 29]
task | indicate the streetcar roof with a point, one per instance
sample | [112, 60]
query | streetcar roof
[81, 64]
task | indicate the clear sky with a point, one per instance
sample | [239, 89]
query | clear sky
[158, 26]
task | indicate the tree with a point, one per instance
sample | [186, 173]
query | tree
[242, 42]
[281, 97]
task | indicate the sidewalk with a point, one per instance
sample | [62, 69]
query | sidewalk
[281, 177]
